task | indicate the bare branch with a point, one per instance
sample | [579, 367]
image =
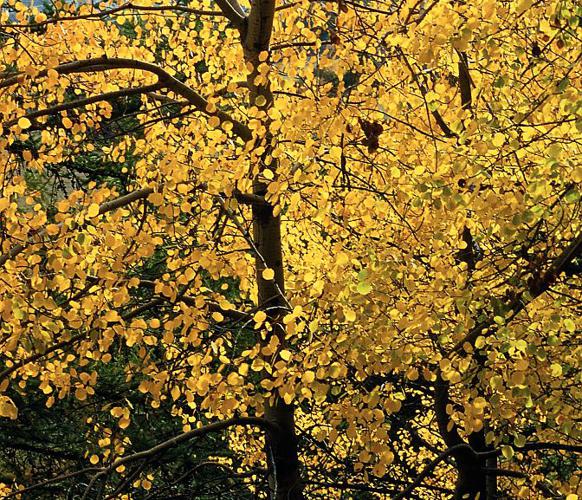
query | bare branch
[56, 479]
[167, 100]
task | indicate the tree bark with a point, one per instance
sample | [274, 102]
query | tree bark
[471, 477]
[280, 444]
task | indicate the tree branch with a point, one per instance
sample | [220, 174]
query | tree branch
[165, 79]
[573, 250]
[80, 336]
[232, 10]
[263, 424]
[114, 10]
[431, 467]
[108, 206]
[86, 101]
[436, 115]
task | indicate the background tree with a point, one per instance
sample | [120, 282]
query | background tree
[351, 228]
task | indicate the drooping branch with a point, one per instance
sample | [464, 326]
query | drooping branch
[74, 339]
[108, 206]
[79, 103]
[166, 80]
[231, 314]
[261, 423]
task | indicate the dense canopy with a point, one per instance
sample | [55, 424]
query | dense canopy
[339, 244]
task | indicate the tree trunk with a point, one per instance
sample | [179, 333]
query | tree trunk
[281, 445]
[471, 479]
[491, 479]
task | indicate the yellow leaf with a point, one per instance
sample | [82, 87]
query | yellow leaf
[488, 9]
[498, 140]
[117, 411]
[24, 123]
[519, 440]
[260, 317]
[52, 229]
[93, 210]
[268, 274]
[214, 122]
[285, 354]
[234, 378]
[8, 408]
[350, 315]
[335, 370]
[569, 325]
[507, 452]
[308, 377]
[156, 199]
[342, 259]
